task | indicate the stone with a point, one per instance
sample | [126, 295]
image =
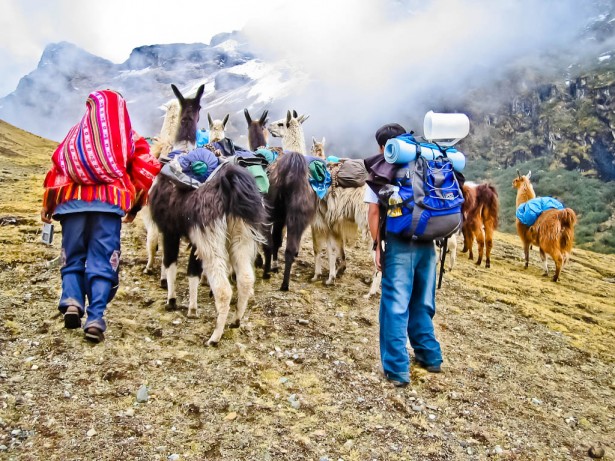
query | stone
[596, 452]
[142, 394]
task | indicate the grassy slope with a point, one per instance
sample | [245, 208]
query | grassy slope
[530, 365]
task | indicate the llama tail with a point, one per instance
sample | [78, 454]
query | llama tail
[487, 196]
[290, 169]
[568, 219]
[241, 196]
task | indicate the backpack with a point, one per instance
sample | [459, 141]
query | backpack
[424, 201]
[349, 173]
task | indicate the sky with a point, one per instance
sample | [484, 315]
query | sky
[111, 28]
[367, 60]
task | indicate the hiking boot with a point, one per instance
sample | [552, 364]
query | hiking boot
[72, 319]
[94, 335]
[430, 368]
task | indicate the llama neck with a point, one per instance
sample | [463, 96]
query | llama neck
[294, 141]
[525, 193]
[184, 146]
[256, 138]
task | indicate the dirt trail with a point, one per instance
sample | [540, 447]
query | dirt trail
[529, 364]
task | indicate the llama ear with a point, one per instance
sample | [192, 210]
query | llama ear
[178, 95]
[211, 122]
[303, 118]
[225, 120]
[529, 174]
[248, 118]
[199, 93]
[288, 116]
[263, 118]
[295, 114]
[518, 174]
[313, 141]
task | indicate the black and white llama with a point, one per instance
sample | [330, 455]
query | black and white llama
[221, 219]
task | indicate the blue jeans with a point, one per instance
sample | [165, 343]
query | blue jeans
[90, 263]
[407, 307]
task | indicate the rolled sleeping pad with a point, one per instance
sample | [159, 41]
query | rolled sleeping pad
[399, 152]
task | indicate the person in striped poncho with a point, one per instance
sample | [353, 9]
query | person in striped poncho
[101, 173]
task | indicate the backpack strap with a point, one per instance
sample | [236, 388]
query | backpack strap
[444, 246]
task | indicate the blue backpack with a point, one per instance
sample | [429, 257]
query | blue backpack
[424, 201]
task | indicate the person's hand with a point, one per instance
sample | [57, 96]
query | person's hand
[129, 218]
[45, 215]
[376, 254]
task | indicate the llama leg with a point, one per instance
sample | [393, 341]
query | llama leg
[543, 257]
[470, 239]
[242, 252]
[526, 252]
[211, 249]
[477, 231]
[332, 250]
[375, 286]
[558, 258]
[466, 239]
[341, 262]
[316, 246]
[452, 249]
[293, 242]
[277, 237]
[488, 243]
[152, 246]
[170, 253]
[195, 269]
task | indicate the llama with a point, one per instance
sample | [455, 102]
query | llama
[221, 220]
[257, 131]
[553, 231]
[216, 128]
[291, 201]
[292, 205]
[480, 213]
[291, 132]
[162, 146]
[451, 249]
[340, 215]
[318, 148]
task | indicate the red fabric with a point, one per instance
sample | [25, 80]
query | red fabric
[111, 167]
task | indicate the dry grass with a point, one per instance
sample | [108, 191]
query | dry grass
[529, 363]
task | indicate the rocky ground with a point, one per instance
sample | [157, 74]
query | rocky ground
[529, 364]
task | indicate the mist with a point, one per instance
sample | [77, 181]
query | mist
[381, 61]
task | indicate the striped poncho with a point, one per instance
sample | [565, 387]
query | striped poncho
[96, 160]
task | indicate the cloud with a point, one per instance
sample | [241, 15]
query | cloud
[379, 61]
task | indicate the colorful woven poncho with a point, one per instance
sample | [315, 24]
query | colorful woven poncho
[96, 160]
[96, 150]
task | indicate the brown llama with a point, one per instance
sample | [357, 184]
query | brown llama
[480, 219]
[257, 130]
[553, 231]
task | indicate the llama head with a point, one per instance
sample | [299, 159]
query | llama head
[257, 130]
[318, 148]
[521, 181]
[279, 128]
[216, 128]
[189, 114]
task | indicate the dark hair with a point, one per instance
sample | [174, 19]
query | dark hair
[388, 131]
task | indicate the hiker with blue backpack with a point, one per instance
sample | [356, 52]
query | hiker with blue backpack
[411, 203]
